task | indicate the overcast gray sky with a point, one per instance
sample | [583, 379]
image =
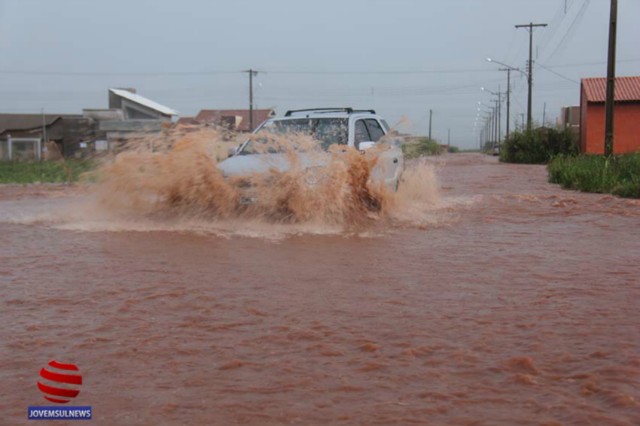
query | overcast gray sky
[400, 57]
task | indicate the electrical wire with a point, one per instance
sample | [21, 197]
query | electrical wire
[214, 72]
[558, 74]
[571, 30]
[592, 63]
[555, 23]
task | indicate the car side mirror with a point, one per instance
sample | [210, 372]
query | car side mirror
[366, 145]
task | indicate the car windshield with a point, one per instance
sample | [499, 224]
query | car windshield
[327, 131]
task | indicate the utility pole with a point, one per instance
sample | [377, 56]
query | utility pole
[508, 70]
[497, 118]
[251, 74]
[44, 129]
[530, 25]
[499, 115]
[494, 127]
[544, 115]
[430, 116]
[522, 117]
[448, 137]
[611, 81]
[487, 133]
[497, 123]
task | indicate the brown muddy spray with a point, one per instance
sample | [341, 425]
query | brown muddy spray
[175, 175]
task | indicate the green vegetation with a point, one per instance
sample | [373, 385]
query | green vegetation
[423, 146]
[487, 147]
[43, 171]
[453, 149]
[618, 174]
[538, 146]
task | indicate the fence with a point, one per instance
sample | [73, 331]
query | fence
[20, 149]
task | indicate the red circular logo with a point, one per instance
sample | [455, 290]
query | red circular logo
[60, 382]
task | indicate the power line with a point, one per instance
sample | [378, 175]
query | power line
[570, 31]
[556, 22]
[213, 72]
[391, 72]
[592, 63]
[114, 74]
[558, 74]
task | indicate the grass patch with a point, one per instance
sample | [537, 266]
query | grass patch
[43, 171]
[423, 146]
[618, 174]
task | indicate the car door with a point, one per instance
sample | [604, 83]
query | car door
[360, 133]
[390, 160]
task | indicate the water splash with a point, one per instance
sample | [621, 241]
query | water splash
[178, 178]
[172, 181]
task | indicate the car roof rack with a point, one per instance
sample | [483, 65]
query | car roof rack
[328, 110]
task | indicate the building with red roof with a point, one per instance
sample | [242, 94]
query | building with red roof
[626, 130]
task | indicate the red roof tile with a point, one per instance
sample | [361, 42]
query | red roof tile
[627, 89]
[215, 116]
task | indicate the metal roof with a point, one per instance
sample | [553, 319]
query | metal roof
[30, 121]
[627, 89]
[133, 97]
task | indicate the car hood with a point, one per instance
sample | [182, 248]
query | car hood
[242, 165]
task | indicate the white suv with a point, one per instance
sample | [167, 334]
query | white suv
[360, 129]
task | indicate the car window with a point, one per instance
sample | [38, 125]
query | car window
[331, 131]
[361, 133]
[375, 130]
[302, 126]
[327, 131]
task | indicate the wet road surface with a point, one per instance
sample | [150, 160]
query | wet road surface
[512, 302]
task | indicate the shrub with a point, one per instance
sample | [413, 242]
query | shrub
[618, 174]
[424, 146]
[538, 146]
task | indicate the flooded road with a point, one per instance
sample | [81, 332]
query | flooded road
[509, 302]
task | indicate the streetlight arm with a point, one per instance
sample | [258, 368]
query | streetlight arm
[493, 93]
[505, 65]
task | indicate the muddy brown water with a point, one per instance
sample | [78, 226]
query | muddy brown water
[513, 302]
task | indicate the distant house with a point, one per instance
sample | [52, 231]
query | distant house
[24, 136]
[129, 115]
[136, 107]
[234, 119]
[29, 136]
[570, 119]
[626, 137]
